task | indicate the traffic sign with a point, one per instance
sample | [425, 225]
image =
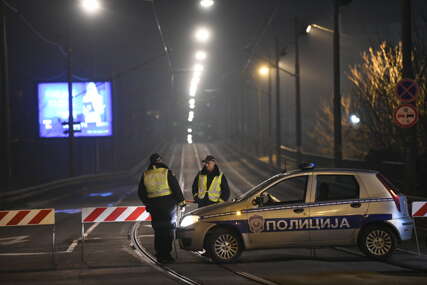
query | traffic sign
[406, 116]
[407, 90]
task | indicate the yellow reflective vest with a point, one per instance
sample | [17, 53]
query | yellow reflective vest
[156, 182]
[214, 191]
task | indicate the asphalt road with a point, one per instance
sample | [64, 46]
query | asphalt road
[109, 258]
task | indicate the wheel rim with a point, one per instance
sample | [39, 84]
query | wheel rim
[226, 246]
[379, 242]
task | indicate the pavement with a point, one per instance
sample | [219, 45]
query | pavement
[25, 256]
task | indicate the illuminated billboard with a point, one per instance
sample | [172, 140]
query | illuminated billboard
[92, 109]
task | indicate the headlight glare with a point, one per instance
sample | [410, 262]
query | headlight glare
[189, 220]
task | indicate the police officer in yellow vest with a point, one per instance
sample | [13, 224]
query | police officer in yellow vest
[210, 185]
[159, 190]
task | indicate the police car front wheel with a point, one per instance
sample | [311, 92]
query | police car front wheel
[377, 241]
[224, 246]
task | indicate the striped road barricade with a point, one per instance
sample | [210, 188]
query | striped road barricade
[31, 217]
[419, 210]
[112, 215]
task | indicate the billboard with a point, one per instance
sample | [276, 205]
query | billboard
[92, 109]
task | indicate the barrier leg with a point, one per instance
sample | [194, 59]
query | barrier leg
[53, 245]
[83, 244]
[416, 240]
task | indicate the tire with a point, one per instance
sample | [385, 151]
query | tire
[377, 241]
[224, 246]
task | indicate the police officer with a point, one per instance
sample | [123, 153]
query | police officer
[210, 185]
[160, 192]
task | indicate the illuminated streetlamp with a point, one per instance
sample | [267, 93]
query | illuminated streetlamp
[207, 4]
[202, 35]
[354, 119]
[201, 55]
[264, 70]
[91, 6]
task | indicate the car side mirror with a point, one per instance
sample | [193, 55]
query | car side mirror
[258, 201]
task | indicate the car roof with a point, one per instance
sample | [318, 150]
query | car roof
[331, 170]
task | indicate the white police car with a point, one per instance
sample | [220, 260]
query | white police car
[304, 208]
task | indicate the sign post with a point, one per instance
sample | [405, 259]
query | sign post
[406, 115]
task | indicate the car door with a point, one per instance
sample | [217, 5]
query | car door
[337, 211]
[275, 223]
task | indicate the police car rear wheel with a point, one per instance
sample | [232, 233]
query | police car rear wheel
[224, 246]
[378, 242]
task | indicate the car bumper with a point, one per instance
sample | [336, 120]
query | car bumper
[404, 227]
[192, 238]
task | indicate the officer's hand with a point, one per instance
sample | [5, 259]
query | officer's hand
[182, 205]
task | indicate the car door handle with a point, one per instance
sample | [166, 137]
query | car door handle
[298, 210]
[356, 205]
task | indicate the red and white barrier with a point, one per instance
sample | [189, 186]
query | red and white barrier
[419, 209]
[115, 214]
[27, 217]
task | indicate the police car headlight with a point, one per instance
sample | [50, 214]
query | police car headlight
[189, 220]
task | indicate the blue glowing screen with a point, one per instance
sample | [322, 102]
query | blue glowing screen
[92, 109]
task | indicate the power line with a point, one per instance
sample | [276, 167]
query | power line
[261, 35]
[33, 29]
[162, 37]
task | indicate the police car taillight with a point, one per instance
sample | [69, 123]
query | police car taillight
[391, 189]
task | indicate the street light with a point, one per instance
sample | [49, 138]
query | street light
[207, 4]
[91, 6]
[201, 55]
[189, 139]
[202, 35]
[355, 119]
[264, 70]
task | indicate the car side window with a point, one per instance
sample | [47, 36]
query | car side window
[289, 191]
[336, 187]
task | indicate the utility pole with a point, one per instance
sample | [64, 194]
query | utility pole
[270, 118]
[297, 94]
[4, 105]
[337, 86]
[278, 119]
[408, 72]
[70, 115]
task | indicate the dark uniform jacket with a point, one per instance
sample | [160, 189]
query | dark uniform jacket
[175, 198]
[225, 190]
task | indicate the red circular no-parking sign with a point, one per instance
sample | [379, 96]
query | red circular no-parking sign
[406, 116]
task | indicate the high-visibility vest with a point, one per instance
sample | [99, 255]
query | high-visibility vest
[156, 182]
[214, 191]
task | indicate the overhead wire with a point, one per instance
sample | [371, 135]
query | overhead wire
[261, 35]
[33, 29]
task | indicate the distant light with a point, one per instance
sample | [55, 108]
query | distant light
[91, 6]
[308, 30]
[354, 119]
[189, 139]
[190, 116]
[198, 68]
[238, 213]
[189, 130]
[192, 101]
[263, 70]
[202, 35]
[206, 4]
[201, 55]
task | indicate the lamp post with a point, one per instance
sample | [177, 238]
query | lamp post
[297, 93]
[266, 71]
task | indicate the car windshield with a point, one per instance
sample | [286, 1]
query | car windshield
[258, 187]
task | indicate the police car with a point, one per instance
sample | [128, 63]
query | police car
[308, 207]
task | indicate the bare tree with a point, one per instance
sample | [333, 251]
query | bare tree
[373, 98]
